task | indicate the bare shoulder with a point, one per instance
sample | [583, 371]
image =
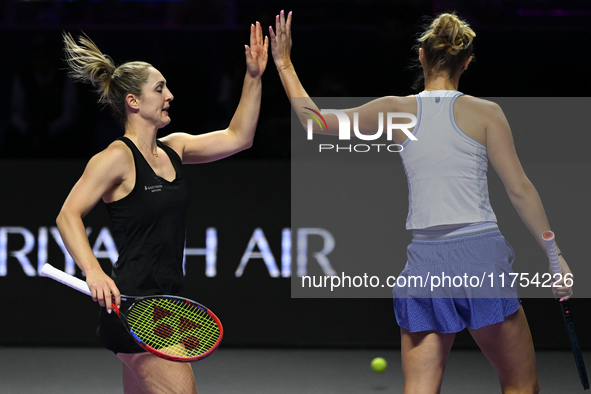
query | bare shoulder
[176, 141]
[114, 161]
[394, 104]
[402, 103]
[117, 153]
[479, 106]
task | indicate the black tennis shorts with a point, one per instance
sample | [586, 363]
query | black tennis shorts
[112, 333]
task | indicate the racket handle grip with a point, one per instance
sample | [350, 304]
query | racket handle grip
[548, 237]
[68, 280]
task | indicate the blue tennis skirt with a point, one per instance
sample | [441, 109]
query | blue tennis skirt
[456, 278]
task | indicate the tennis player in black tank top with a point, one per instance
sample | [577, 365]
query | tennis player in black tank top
[141, 181]
[148, 227]
[149, 224]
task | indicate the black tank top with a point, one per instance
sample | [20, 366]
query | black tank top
[148, 226]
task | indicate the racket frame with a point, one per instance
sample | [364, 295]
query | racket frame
[75, 283]
[137, 300]
[549, 240]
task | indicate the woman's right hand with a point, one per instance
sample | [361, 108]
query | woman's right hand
[103, 289]
[562, 289]
[281, 43]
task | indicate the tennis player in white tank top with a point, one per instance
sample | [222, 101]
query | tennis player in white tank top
[480, 131]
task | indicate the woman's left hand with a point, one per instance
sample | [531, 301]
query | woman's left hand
[256, 54]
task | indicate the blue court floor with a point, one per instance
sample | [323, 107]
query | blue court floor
[228, 371]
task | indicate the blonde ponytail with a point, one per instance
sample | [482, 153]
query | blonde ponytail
[88, 64]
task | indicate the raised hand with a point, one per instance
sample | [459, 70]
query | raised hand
[281, 42]
[257, 53]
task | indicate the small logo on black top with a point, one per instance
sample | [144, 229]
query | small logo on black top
[155, 188]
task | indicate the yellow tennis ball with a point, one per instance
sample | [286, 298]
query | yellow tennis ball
[378, 364]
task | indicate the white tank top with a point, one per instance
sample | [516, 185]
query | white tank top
[445, 168]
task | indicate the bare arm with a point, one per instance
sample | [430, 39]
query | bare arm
[281, 43]
[104, 171]
[304, 106]
[240, 133]
[521, 192]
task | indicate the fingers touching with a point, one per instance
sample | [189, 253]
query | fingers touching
[283, 24]
[256, 36]
[281, 39]
[256, 53]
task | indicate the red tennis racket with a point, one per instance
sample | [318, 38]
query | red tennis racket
[568, 319]
[174, 328]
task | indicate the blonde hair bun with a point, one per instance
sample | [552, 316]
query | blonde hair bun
[448, 32]
[446, 43]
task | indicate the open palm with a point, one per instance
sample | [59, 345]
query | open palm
[257, 53]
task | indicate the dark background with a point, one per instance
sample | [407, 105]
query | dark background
[341, 48]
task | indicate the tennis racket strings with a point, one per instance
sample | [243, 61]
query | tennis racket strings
[175, 327]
